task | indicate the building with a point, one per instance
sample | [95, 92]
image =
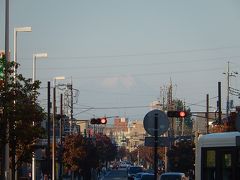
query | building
[83, 126]
[200, 122]
[136, 135]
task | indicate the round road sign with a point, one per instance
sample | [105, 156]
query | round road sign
[162, 122]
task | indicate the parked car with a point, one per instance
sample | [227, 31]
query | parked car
[173, 176]
[132, 171]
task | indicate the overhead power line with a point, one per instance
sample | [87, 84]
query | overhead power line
[147, 53]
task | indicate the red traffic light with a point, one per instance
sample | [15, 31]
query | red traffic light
[182, 114]
[177, 114]
[98, 121]
[103, 120]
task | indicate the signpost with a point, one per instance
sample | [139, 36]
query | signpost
[161, 142]
[165, 141]
[162, 122]
[155, 123]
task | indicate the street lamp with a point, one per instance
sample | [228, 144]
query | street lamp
[35, 56]
[16, 30]
[53, 128]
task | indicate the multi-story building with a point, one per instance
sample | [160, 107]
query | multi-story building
[136, 134]
[126, 133]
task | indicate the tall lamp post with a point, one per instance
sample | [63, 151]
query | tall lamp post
[5, 158]
[16, 30]
[35, 56]
[53, 128]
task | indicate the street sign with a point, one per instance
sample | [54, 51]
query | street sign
[162, 141]
[165, 141]
[150, 119]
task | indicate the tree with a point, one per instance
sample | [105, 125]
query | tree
[80, 154]
[181, 156]
[146, 155]
[121, 152]
[21, 109]
[106, 150]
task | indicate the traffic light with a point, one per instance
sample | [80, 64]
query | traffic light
[103, 120]
[98, 120]
[178, 114]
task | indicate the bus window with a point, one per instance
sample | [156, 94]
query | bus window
[210, 165]
[227, 170]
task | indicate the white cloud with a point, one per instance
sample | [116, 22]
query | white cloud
[119, 81]
[110, 82]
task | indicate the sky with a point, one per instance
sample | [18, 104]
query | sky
[119, 54]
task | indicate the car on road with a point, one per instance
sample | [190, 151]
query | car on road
[173, 176]
[124, 164]
[132, 171]
[139, 175]
[144, 176]
[147, 177]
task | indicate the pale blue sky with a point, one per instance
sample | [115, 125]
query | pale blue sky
[119, 53]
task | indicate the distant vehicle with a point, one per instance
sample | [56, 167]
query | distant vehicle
[115, 166]
[124, 164]
[147, 177]
[139, 175]
[217, 156]
[173, 176]
[132, 171]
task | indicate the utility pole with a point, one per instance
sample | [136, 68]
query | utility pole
[54, 135]
[219, 104]
[207, 112]
[228, 89]
[61, 134]
[71, 108]
[48, 130]
[155, 146]
[69, 104]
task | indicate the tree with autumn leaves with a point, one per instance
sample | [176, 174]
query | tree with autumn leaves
[81, 154]
[18, 97]
[145, 155]
[106, 150]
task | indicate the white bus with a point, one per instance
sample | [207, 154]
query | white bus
[218, 156]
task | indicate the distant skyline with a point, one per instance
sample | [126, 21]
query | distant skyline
[119, 54]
